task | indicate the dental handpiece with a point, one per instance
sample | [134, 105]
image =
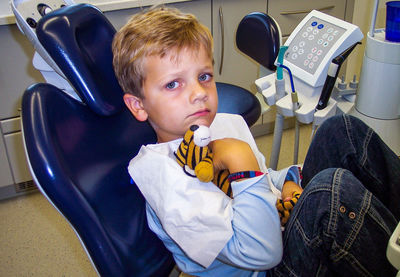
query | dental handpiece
[326, 92]
[333, 72]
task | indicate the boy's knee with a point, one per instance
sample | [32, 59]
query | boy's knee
[337, 180]
[341, 183]
[332, 124]
[322, 178]
[333, 175]
[342, 122]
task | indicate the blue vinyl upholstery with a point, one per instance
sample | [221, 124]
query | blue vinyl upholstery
[79, 160]
[237, 100]
[79, 38]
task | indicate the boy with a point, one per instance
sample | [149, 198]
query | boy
[163, 62]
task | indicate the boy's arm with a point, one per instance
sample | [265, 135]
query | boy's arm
[234, 155]
[256, 243]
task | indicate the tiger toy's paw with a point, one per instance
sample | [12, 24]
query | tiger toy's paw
[285, 207]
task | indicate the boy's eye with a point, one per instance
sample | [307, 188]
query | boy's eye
[172, 85]
[205, 77]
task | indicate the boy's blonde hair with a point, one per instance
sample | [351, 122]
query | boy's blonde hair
[154, 32]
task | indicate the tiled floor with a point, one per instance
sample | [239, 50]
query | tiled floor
[37, 241]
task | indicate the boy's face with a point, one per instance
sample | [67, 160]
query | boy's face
[178, 91]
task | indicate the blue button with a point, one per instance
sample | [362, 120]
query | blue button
[320, 26]
[314, 23]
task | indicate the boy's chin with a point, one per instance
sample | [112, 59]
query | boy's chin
[204, 121]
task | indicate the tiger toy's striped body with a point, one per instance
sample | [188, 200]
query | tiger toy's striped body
[195, 157]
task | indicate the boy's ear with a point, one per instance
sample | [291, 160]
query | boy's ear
[135, 105]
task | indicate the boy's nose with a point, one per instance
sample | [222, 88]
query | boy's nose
[198, 93]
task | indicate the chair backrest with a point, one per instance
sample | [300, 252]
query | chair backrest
[258, 36]
[79, 151]
[78, 38]
[236, 100]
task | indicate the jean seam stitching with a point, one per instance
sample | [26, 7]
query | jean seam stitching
[367, 140]
[349, 128]
[356, 227]
[375, 216]
[332, 223]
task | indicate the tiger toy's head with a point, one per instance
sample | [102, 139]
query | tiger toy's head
[194, 155]
[201, 135]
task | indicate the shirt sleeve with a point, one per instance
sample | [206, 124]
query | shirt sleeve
[279, 177]
[256, 242]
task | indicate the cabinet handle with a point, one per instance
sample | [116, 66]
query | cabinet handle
[306, 11]
[221, 22]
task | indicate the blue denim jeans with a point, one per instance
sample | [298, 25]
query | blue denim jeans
[349, 208]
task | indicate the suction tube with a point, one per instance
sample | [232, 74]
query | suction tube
[279, 119]
[281, 54]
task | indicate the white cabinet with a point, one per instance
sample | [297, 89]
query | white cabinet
[17, 158]
[16, 74]
[200, 8]
[289, 13]
[232, 66]
[5, 172]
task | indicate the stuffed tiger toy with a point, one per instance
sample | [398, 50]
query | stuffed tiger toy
[195, 157]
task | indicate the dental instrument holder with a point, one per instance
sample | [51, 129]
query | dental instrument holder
[311, 47]
[27, 14]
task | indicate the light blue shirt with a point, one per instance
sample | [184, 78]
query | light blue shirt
[208, 233]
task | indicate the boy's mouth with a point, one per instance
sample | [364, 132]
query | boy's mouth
[202, 112]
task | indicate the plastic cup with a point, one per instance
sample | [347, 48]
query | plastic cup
[393, 21]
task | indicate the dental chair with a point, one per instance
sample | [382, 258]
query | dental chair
[78, 149]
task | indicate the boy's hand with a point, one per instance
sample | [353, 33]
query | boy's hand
[290, 194]
[234, 155]
[288, 188]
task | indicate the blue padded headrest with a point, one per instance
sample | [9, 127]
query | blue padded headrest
[258, 36]
[78, 38]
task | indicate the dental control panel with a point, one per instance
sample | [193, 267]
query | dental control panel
[315, 42]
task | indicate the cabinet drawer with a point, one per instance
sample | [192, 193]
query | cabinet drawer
[289, 13]
[5, 171]
[17, 158]
[10, 125]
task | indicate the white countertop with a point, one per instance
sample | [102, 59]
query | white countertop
[7, 17]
